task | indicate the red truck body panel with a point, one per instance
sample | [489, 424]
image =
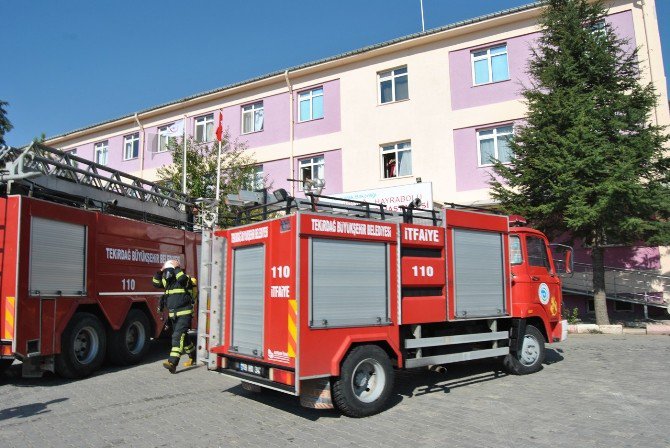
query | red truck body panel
[121, 256]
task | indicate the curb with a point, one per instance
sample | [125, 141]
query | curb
[654, 329]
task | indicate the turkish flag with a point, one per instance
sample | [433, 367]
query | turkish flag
[219, 128]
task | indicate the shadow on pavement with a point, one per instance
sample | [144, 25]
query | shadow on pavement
[158, 349]
[408, 384]
[28, 410]
[283, 402]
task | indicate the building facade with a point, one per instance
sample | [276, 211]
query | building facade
[432, 107]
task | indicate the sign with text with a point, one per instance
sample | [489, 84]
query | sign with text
[394, 197]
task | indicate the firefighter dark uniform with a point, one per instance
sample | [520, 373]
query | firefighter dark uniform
[179, 302]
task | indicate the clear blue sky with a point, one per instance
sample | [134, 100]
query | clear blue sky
[70, 64]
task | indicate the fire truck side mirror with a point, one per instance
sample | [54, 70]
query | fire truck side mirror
[563, 258]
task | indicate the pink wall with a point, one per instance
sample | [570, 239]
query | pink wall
[470, 176]
[276, 172]
[331, 113]
[332, 161]
[464, 94]
[275, 125]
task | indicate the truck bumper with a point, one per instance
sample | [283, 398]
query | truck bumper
[560, 332]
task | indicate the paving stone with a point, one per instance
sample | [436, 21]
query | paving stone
[594, 390]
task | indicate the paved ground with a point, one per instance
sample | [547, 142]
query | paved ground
[594, 391]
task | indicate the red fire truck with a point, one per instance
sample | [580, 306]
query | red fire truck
[326, 299]
[79, 245]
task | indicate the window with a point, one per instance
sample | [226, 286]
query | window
[204, 128]
[397, 160]
[252, 118]
[493, 144]
[599, 28]
[516, 256]
[71, 152]
[256, 180]
[393, 85]
[101, 153]
[537, 252]
[623, 306]
[311, 169]
[163, 139]
[311, 104]
[590, 306]
[131, 146]
[490, 65]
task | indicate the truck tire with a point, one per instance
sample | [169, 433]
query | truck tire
[531, 356]
[129, 345]
[5, 364]
[365, 382]
[83, 345]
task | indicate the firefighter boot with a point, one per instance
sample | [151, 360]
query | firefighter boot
[190, 362]
[171, 367]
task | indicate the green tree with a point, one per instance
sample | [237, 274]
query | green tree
[237, 169]
[5, 125]
[588, 159]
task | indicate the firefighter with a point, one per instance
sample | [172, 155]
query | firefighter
[179, 303]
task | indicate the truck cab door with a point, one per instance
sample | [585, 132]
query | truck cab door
[544, 280]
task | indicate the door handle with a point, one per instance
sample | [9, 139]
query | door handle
[534, 278]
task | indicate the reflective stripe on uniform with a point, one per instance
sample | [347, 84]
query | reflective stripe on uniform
[180, 313]
[156, 281]
[189, 348]
[179, 275]
[175, 291]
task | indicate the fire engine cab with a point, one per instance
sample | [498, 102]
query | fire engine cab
[327, 297]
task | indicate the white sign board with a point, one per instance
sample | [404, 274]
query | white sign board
[394, 197]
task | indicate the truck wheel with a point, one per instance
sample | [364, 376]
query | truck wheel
[531, 356]
[5, 364]
[129, 345]
[83, 345]
[365, 383]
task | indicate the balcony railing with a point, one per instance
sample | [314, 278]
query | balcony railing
[627, 285]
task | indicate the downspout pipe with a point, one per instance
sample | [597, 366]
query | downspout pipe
[291, 133]
[137, 120]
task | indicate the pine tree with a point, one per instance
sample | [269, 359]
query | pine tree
[5, 125]
[237, 169]
[588, 160]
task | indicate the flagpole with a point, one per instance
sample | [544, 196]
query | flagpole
[183, 167]
[423, 25]
[218, 174]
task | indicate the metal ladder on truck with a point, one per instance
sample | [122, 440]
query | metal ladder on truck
[211, 304]
[58, 176]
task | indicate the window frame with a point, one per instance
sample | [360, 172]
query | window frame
[161, 134]
[135, 142]
[101, 147]
[256, 180]
[489, 58]
[531, 258]
[311, 103]
[512, 251]
[253, 109]
[206, 122]
[386, 149]
[393, 76]
[630, 307]
[312, 163]
[494, 135]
